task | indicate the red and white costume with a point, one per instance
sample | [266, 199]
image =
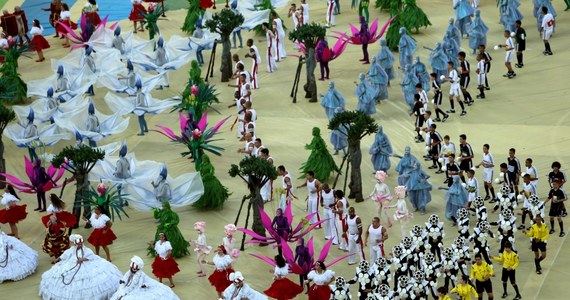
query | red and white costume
[353, 234]
[320, 288]
[376, 248]
[313, 201]
[331, 4]
[38, 42]
[90, 12]
[330, 228]
[220, 278]
[137, 10]
[13, 213]
[283, 288]
[65, 18]
[68, 219]
[101, 235]
[164, 266]
[271, 65]
[285, 198]
[255, 67]
[341, 216]
[280, 39]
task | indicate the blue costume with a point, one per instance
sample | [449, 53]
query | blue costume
[366, 94]
[380, 151]
[538, 11]
[237, 31]
[405, 166]
[406, 46]
[453, 32]
[339, 137]
[463, 13]
[332, 100]
[509, 14]
[421, 72]
[379, 79]
[409, 86]
[386, 60]
[451, 48]
[477, 32]
[418, 188]
[438, 60]
[456, 198]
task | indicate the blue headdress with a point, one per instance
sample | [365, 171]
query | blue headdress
[31, 115]
[123, 150]
[91, 108]
[138, 83]
[78, 136]
[160, 42]
[88, 50]
[118, 30]
[164, 171]
[234, 4]
[60, 70]
[129, 65]
[50, 92]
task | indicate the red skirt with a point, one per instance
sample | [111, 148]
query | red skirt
[16, 214]
[220, 279]
[39, 43]
[136, 12]
[69, 24]
[67, 218]
[284, 289]
[164, 268]
[98, 238]
[93, 18]
[318, 292]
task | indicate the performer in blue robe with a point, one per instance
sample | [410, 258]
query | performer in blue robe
[332, 100]
[380, 151]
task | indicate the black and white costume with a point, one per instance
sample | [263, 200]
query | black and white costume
[449, 267]
[507, 228]
[366, 279]
[480, 210]
[435, 234]
[400, 262]
[506, 200]
[412, 253]
[461, 252]
[403, 288]
[382, 271]
[384, 293]
[419, 285]
[431, 270]
[479, 238]
[463, 223]
[340, 289]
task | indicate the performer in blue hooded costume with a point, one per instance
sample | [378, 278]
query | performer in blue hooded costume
[31, 130]
[90, 62]
[451, 48]
[453, 31]
[438, 60]
[405, 166]
[477, 32]
[92, 123]
[339, 137]
[366, 94]
[463, 13]
[380, 151]
[456, 198]
[379, 79]
[418, 188]
[332, 100]
[118, 42]
[140, 105]
[386, 60]
[510, 14]
[409, 85]
[406, 47]
[421, 72]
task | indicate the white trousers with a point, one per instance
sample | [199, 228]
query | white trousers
[330, 226]
[354, 248]
[375, 252]
[343, 241]
[313, 207]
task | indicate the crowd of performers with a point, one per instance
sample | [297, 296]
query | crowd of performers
[421, 266]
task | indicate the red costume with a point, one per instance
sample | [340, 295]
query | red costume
[15, 214]
[9, 24]
[102, 235]
[136, 12]
[55, 10]
[284, 289]
[164, 268]
[22, 14]
[68, 219]
[39, 43]
[56, 240]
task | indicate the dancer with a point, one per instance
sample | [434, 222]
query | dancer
[376, 234]
[168, 225]
[229, 241]
[405, 165]
[547, 29]
[56, 208]
[202, 249]
[340, 290]
[282, 288]
[102, 235]
[38, 42]
[364, 36]
[449, 267]
[240, 290]
[304, 259]
[378, 77]
[463, 13]
[406, 47]
[270, 37]
[320, 162]
[332, 100]
[137, 16]
[386, 60]
[280, 38]
[135, 285]
[320, 278]
[366, 280]
[366, 95]
[418, 188]
[456, 198]
[454, 90]
[13, 213]
[281, 225]
[65, 19]
[408, 84]
[55, 11]
[381, 195]
[287, 185]
[17, 260]
[256, 59]
[164, 266]
[162, 190]
[220, 279]
[331, 8]
[339, 136]
[341, 211]
[435, 231]
[381, 151]
[89, 12]
[479, 238]
[327, 201]
[402, 214]
[354, 235]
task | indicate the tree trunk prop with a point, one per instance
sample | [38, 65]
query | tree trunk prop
[226, 65]
[81, 197]
[297, 79]
[210, 70]
[355, 159]
[246, 223]
[2, 164]
[344, 159]
[311, 85]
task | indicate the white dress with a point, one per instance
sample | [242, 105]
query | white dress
[141, 286]
[229, 245]
[245, 292]
[162, 249]
[17, 260]
[8, 198]
[95, 279]
[321, 279]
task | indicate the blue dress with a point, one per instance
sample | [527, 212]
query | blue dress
[366, 94]
[331, 101]
[421, 72]
[381, 150]
[463, 13]
[386, 59]
[409, 86]
[477, 32]
[451, 49]
[438, 60]
[509, 15]
[339, 139]
[379, 79]
[418, 188]
[407, 47]
[456, 198]
[453, 32]
[404, 167]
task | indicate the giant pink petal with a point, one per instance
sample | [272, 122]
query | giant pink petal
[103, 22]
[287, 252]
[385, 27]
[29, 167]
[267, 223]
[216, 128]
[334, 261]
[114, 25]
[264, 258]
[325, 250]
[167, 132]
[203, 122]
[289, 212]
[13, 180]
[354, 30]
[253, 234]
[309, 245]
[374, 27]
[183, 122]
[69, 31]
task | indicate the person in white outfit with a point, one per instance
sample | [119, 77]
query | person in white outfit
[354, 233]
[341, 212]
[313, 187]
[328, 203]
[287, 185]
[256, 59]
[279, 36]
[240, 290]
[376, 235]
[270, 37]
[331, 7]
[305, 10]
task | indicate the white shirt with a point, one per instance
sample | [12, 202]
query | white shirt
[311, 185]
[321, 279]
[447, 148]
[8, 198]
[481, 67]
[99, 222]
[423, 97]
[162, 249]
[352, 225]
[547, 22]
[52, 209]
[510, 44]
[222, 262]
[328, 198]
[36, 30]
[472, 183]
[454, 78]
[65, 15]
[305, 13]
[375, 234]
[281, 272]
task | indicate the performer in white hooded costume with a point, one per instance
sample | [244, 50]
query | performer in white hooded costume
[17, 260]
[48, 107]
[240, 290]
[136, 285]
[80, 274]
